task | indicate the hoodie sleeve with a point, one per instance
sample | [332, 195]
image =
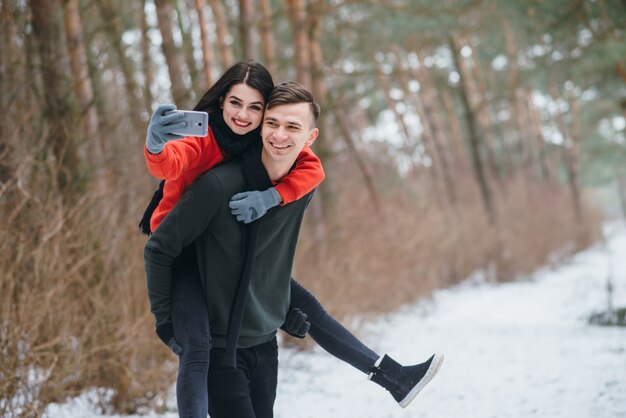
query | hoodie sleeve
[306, 176]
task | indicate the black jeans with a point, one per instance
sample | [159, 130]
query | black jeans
[190, 320]
[249, 391]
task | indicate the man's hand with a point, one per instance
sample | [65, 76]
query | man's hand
[175, 347]
[296, 323]
[161, 127]
[250, 206]
[166, 334]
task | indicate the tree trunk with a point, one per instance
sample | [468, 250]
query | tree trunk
[476, 84]
[297, 17]
[174, 61]
[207, 50]
[58, 108]
[83, 88]
[540, 143]
[323, 146]
[267, 37]
[247, 30]
[428, 112]
[385, 85]
[147, 69]
[346, 129]
[454, 130]
[188, 49]
[7, 84]
[224, 39]
[569, 147]
[573, 155]
[621, 191]
[513, 82]
[475, 141]
[113, 28]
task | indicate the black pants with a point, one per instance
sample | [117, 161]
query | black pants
[249, 391]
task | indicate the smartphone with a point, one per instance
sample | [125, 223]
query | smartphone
[197, 123]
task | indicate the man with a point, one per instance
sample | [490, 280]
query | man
[203, 218]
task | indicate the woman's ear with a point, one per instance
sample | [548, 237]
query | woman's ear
[222, 102]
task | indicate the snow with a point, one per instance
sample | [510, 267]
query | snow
[519, 349]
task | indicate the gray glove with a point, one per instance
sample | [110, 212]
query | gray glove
[175, 347]
[250, 206]
[161, 127]
[296, 323]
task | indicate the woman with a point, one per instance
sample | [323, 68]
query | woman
[235, 105]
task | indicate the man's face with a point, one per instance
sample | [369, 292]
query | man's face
[286, 130]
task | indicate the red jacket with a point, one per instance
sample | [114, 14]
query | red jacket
[183, 160]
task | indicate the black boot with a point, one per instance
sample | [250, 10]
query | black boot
[404, 383]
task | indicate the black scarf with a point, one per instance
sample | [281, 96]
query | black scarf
[231, 143]
[257, 179]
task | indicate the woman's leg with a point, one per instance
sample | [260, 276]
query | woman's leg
[403, 382]
[330, 334]
[190, 320]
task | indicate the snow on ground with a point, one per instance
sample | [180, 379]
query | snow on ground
[522, 349]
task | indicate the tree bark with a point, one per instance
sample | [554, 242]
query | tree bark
[297, 17]
[323, 146]
[621, 191]
[540, 143]
[569, 148]
[58, 107]
[573, 155]
[113, 28]
[476, 84]
[83, 88]
[475, 140]
[207, 50]
[146, 62]
[267, 36]
[454, 130]
[247, 30]
[172, 57]
[224, 38]
[188, 49]
[364, 167]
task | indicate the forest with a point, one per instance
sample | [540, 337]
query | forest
[458, 137]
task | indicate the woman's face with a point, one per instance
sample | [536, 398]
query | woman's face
[243, 108]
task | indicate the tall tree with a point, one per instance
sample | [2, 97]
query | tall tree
[224, 38]
[302, 54]
[58, 107]
[146, 60]
[474, 138]
[114, 31]
[268, 42]
[247, 29]
[187, 46]
[175, 63]
[82, 82]
[208, 57]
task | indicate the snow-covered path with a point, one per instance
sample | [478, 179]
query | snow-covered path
[521, 349]
[512, 350]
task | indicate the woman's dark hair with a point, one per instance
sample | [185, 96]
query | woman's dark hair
[250, 72]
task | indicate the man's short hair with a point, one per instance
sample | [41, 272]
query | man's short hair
[291, 92]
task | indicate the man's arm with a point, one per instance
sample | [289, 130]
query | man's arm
[189, 218]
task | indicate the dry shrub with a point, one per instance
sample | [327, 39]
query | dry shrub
[74, 312]
[376, 262]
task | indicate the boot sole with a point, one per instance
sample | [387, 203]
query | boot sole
[430, 373]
